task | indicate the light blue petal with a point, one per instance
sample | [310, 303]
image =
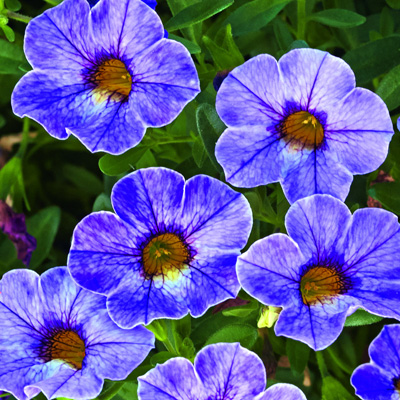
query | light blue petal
[358, 129]
[251, 94]
[270, 270]
[174, 379]
[149, 199]
[104, 250]
[282, 391]
[214, 216]
[229, 371]
[318, 224]
[165, 80]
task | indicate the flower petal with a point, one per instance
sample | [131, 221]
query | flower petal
[318, 224]
[103, 252]
[149, 199]
[228, 370]
[269, 270]
[358, 130]
[214, 216]
[282, 391]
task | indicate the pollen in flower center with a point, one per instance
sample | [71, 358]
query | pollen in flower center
[164, 254]
[320, 284]
[396, 384]
[113, 79]
[302, 130]
[66, 345]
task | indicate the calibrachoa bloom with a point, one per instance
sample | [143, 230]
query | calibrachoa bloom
[380, 379]
[302, 122]
[13, 225]
[57, 338]
[103, 74]
[222, 371]
[331, 263]
[170, 248]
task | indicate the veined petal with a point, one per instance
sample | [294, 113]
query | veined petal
[282, 391]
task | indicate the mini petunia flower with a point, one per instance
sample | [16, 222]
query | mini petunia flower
[13, 225]
[222, 371]
[103, 74]
[170, 248]
[300, 121]
[380, 379]
[57, 338]
[331, 263]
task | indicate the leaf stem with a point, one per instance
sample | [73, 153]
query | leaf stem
[301, 19]
[18, 17]
[321, 364]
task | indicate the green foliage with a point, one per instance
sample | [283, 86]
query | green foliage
[338, 18]
[298, 354]
[388, 193]
[361, 317]
[332, 389]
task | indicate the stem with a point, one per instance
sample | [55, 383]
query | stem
[169, 346]
[18, 17]
[339, 362]
[183, 140]
[1, 5]
[321, 364]
[301, 19]
[25, 137]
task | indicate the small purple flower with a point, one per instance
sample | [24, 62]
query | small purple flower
[331, 263]
[222, 371]
[103, 74]
[380, 379]
[150, 3]
[300, 121]
[58, 338]
[13, 225]
[170, 248]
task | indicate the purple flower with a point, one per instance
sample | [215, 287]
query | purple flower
[331, 263]
[13, 225]
[58, 338]
[170, 248]
[302, 122]
[222, 371]
[380, 379]
[103, 74]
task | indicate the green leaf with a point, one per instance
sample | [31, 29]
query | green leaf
[334, 390]
[338, 18]
[102, 203]
[197, 12]
[192, 47]
[128, 391]
[374, 58]
[298, 44]
[298, 354]
[241, 311]
[10, 35]
[8, 253]
[389, 88]
[210, 128]
[254, 15]
[44, 227]
[282, 34]
[13, 5]
[362, 317]
[159, 329]
[245, 334]
[388, 193]
[186, 348]
[115, 165]
[11, 57]
[161, 358]
[83, 179]
[199, 152]
[394, 4]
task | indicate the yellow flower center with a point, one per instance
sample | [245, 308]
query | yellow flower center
[320, 284]
[112, 80]
[164, 255]
[66, 345]
[302, 130]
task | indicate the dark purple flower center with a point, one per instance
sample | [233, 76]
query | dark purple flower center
[302, 130]
[396, 384]
[112, 81]
[320, 284]
[65, 345]
[165, 255]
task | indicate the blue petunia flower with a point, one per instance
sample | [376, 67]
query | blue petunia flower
[302, 122]
[150, 3]
[58, 338]
[331, 263]
[380, 379]
[170, 248]
[103, 74]
[222, 371]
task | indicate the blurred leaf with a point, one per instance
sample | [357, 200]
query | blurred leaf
[13, 5]
[199, 152]
[115, 165]
[8, 253]
[210, 128]
[192, 47]
[102, 203]
[245, 334]
[298, 44]
[388, 193]
[83, 179]
[386, 22]
[389, 88]
[161, 358]
[241, 311]
[10, 35]
[254, 15]
[11, 57]
[147, 160]
[197, 12]
[43, 226]
[186, 349]
[374, 58]
[282, 34]
[338, 18]
[394, 4]
[298, 354]
[128, 391]
[362, 317]
[334, 390]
